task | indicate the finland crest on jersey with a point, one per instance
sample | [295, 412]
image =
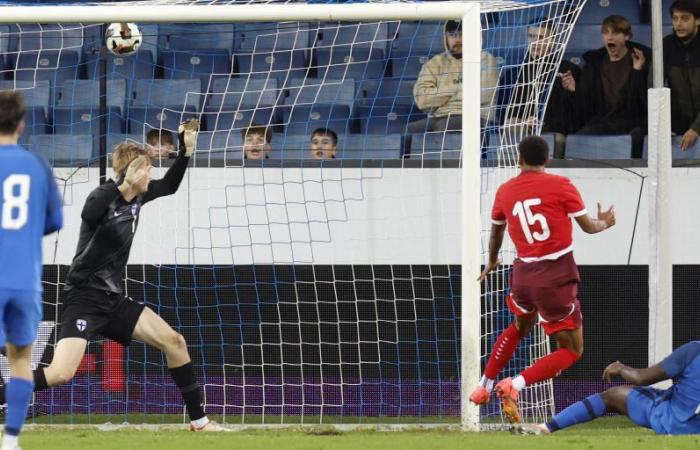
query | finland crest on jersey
[80, 324]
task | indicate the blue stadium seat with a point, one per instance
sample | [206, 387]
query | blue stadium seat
[435, 146]
[502, 42]
[140, 66]
[386, 119]
[642, 34]
[142, 120]
[421, 37]
[167, 93]
[369, 146]
[63, 150]
[27, 37]
[373, 34]
[4, 39]
[312, 91]
[204, 65]
[36, 94]
[676, 152]
[345, 62]
[242, 92]
[34, 122]
[386, 92]
[584, 38]
[594, 12]
[267, 36]
[219, 146]
[303, 119]
[407, 64]
[86, 93]
[282, 65]
[85, 120]
[598, 147]
[50, 65]
[116, 138]
[574, 57]
[215, 120]
[198, 36]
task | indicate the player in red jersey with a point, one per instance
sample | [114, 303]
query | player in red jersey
[537, 208]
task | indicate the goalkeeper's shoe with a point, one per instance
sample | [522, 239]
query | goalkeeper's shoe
[210, 427]
[537, 429]
[509, 400]
[480, 395]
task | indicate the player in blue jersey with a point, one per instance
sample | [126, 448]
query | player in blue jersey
[31, 207]
[675, 410]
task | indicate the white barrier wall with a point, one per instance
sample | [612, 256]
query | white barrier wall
[377, 216]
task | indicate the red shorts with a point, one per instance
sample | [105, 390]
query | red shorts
[548, 289]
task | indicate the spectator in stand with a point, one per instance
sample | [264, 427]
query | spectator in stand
[160, 143]
[256, 141]
[682, 70]
[438, 89]
[324, 144]
[522, 91]
[611, 95]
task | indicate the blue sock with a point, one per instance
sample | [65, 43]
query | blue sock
[18, 394]
[583, 411]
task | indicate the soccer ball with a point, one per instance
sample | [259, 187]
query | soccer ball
[123, 39]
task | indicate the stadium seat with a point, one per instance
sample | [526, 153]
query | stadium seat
[386, 119]
[508, 43]
[36, 94]
[312, 91]
[370, 146]
[63, 150]
[598, 147]
[204, 65]
[642, 34]
[115, 138]
[215, 120]
[574, 57]
[584, 38]
[51, 65]
[373, 34]
[142, 120]
[594, 12]
[268, 36]
[197, 36]
[28, 37]
[385, 92]
[4, 39]
[407, 64]
[135, 67]
[85, 120]
[344, 62]
[220, 146]
[242, 92]
[167, 93]
[435, 146]
[86, 93]
[35, 122]
[303, 119]
[282, 65]
[420, 37]
[676, 152]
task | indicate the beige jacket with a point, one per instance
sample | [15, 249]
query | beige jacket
[438, 89]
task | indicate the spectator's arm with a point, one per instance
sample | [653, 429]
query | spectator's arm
[426, 91]
[489, 79]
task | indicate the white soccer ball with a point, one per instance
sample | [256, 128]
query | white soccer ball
[123, 39]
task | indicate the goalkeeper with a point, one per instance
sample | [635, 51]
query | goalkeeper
[675, 410]
[94, 302]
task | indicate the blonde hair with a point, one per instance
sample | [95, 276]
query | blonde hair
[124, 153]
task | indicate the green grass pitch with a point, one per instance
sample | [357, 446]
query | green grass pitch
[610, 434]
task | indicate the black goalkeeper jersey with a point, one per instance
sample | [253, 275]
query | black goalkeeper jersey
[107, 230]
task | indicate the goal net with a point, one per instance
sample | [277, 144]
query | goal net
[312, 256]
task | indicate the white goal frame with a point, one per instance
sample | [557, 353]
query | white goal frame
[468, 12]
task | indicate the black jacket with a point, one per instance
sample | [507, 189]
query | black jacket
[682, 73]
[631, 111]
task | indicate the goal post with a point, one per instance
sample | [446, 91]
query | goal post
[335, 292]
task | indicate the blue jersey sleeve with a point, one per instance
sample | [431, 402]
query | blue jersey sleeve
[675, 363]
[54, 204]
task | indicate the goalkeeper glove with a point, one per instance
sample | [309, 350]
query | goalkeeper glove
[187, 131]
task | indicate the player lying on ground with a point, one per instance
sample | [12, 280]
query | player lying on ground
[675, 410]
[94, 302]
[30, 207]
[537, 207]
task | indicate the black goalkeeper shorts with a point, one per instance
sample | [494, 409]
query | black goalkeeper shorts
[87, 312]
